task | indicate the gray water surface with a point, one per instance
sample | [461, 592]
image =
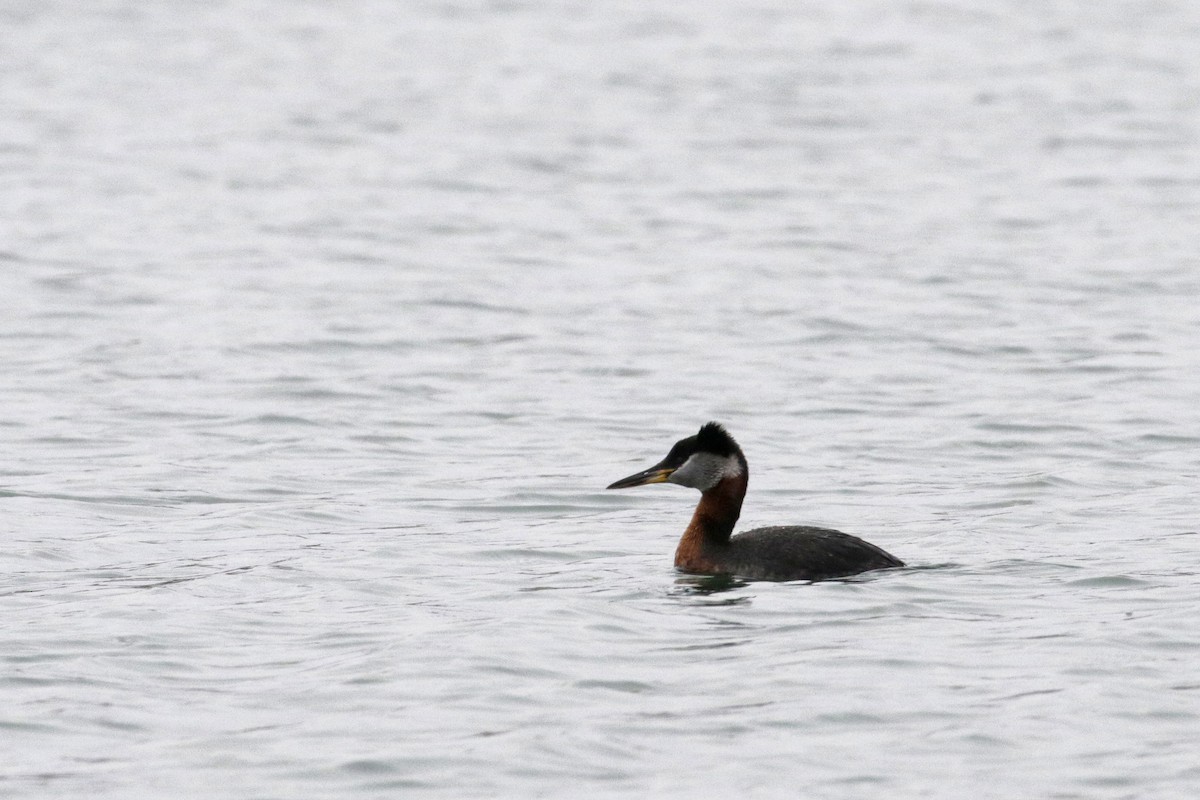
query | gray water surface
[323, 326]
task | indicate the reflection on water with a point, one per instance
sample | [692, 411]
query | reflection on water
[711, 584]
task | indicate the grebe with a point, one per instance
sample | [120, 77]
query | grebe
[712, 462]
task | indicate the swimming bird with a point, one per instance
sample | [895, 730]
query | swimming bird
[712, 462]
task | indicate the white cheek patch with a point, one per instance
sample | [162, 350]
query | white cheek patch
[704, 470]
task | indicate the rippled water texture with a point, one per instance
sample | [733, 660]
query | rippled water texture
[323, 325]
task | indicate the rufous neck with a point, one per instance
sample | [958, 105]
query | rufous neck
[718, 510]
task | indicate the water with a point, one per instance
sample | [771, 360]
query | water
[323, 328]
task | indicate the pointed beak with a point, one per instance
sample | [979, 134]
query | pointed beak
[656, 474]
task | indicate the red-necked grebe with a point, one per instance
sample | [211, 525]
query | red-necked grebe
[712, 462]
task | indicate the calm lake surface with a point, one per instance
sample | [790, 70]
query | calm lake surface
[324, 325]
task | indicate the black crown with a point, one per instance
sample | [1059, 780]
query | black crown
[713, 438]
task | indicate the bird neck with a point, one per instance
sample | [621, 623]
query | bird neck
[715, 515]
